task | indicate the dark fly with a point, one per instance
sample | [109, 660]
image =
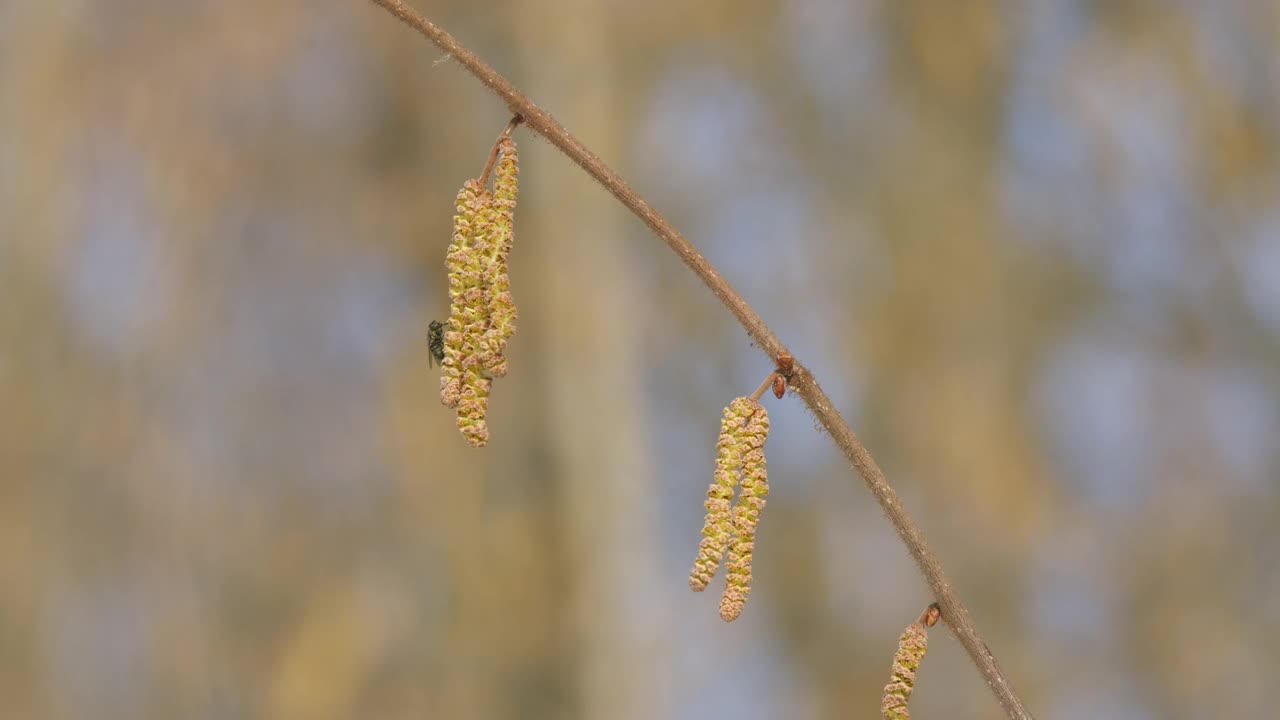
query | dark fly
[435, 341]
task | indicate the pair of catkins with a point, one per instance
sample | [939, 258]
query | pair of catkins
[482, 313]
[471, 348]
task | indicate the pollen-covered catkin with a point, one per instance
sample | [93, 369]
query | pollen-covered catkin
[717, 529]
[502, 307]
[463, 384]
[467, 311]
[912, 646]
[482, 315]
[739, 459]
[746, 514]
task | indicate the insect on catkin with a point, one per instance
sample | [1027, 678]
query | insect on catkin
[435, 342]
[482, 314]
[912, 646]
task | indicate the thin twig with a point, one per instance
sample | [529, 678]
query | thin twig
[768, 381]
[497, 145]
[803, 382]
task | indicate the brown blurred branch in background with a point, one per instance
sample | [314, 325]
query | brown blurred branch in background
[803, 382]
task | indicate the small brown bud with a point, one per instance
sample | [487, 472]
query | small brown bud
[786, 363]
[779, 386]
[931, 615]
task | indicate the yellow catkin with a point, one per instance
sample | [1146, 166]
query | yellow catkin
[912, 646]
[474, 321]
[502, 307]
[739, 458]
[468, 308]
[482, 314]
[717, 528]
[746, 514]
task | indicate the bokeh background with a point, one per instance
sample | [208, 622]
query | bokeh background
[1032, 249]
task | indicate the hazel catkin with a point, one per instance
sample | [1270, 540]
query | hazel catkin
[482, 313]
[730, 529]
[912, 646]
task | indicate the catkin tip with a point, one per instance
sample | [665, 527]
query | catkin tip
[731, 603]
[472, 409]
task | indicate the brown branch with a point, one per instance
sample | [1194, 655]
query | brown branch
[800, 379]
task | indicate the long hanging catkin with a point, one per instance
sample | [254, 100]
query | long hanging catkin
[467, 311]
[739, 459]
[502, 307]
[746, 515]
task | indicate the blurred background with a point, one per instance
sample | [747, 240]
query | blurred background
[1032, 250]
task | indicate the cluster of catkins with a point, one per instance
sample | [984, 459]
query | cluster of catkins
[482, 314]
[732, 528]
[482, 319]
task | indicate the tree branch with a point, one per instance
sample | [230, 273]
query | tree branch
[801, 380]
